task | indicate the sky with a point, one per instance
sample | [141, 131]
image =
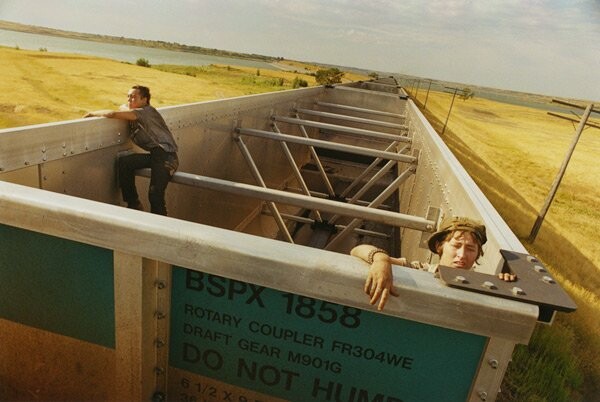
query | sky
[549, 47]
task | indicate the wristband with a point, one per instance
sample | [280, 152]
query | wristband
[372, 254]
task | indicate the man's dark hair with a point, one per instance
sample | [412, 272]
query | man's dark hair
[144, 91]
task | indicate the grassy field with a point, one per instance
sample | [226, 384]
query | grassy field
[512, 152]
[40, 87]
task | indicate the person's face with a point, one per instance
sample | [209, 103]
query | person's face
[460, 251]
[134, 99]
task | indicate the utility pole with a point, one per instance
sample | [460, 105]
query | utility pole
[542, 214]
[427, 96]
[451, 104]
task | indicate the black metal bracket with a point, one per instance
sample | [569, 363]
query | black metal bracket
[324, 226]
[534, 284]
[337, 197]
[322, 232]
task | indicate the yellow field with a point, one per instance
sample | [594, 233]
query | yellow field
[524, 148]
[514, 153]
[40, 87]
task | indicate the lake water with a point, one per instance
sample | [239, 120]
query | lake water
[125, 53]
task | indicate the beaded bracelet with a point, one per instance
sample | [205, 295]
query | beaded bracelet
[372, 254]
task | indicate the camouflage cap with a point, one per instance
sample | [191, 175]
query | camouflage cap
[453, 223]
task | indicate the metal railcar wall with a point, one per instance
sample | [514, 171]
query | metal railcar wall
[58, 207]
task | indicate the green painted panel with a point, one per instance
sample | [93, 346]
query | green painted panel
[57, 285]
[302, 349]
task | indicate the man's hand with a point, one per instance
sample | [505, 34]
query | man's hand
[507, 277]
[98, 113]
[113, 114]
[380, 282]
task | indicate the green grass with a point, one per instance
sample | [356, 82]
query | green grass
[246, 80]
[545, 369]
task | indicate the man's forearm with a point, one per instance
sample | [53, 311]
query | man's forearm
[368, 253]
[113, 114]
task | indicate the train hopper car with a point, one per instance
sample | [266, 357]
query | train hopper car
[246, 291]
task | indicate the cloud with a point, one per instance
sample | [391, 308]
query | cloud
[501, 42]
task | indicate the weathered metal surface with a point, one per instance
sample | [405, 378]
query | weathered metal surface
[442, 182]
[33, 145]
[535, 285]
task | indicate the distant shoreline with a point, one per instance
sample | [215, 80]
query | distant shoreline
[501, 95]
[120, 40]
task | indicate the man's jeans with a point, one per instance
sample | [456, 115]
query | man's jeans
[162, 165]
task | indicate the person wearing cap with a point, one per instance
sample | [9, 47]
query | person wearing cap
[458, 242]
